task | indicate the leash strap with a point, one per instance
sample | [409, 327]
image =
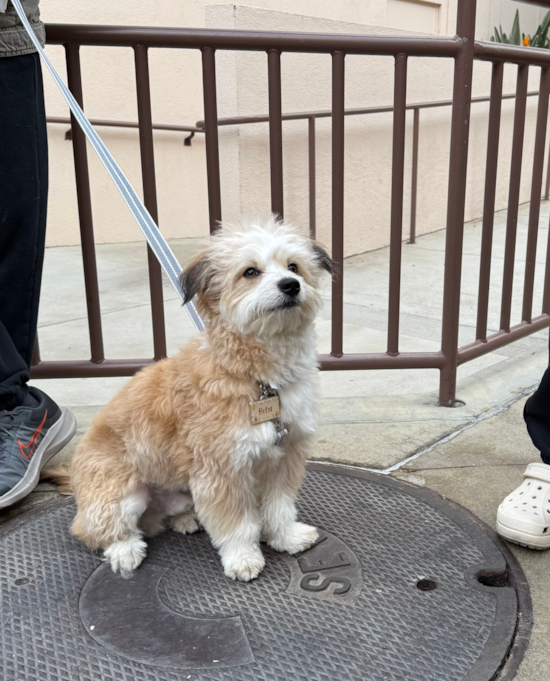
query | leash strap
[156, 241]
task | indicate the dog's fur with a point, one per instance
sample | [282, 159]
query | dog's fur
[176, 447]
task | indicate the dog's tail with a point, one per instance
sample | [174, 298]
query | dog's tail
[60, 476]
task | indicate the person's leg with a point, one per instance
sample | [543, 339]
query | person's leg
[32, 426]
[23, 204]
[14, 372]
[524, 516]
[537, 417]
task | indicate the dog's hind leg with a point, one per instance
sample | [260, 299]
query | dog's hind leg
[152, 523]
[126, 554]
[169, 508]
[185, 523]
[111, 522]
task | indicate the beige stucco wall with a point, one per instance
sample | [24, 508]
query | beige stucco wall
[242, 89]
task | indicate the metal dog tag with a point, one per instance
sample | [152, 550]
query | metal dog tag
[267, 409]
[280, 434]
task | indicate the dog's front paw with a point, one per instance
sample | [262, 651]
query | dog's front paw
[126, 556]
[296, 538]
[244, 566]
[185, 523]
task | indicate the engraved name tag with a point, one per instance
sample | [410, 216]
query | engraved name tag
[264, 410]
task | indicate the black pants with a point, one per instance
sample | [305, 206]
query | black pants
[537, 417]
[23, 203]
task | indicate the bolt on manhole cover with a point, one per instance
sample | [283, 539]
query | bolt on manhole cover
[401, 586]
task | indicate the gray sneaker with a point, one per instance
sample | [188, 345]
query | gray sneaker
[29, 437]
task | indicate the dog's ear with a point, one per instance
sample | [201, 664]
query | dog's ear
[196, 277]
[323, 258]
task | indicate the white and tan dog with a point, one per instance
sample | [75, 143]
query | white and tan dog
[177, 444]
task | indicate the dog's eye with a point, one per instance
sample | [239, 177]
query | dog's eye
[251, 272]
[293, 268]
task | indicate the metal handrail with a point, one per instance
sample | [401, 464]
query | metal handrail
[257, 41]
[235, 120]
[63, 120]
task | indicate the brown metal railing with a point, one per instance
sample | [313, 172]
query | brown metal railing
[463, 50]
[311, 117]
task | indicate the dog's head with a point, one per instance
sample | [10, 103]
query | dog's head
[260, 277]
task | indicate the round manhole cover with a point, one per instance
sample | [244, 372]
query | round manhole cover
[401, 586]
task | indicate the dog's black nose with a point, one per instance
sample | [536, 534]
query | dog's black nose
[289, 286]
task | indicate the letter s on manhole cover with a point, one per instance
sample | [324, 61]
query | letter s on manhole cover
[328, 571]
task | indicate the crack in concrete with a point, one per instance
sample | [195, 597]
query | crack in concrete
[447, 438]
[456, 468]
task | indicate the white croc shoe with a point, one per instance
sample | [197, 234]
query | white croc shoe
[524, 516]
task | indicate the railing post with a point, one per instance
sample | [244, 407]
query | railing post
[275, 132]
[396, 219]
[414, 174]
[211, 137]
[338, 103]
[146, 147]
[513, 197]
[84, 201]
[460, 128]
[312, 179]
[491, 167]
[534, 207]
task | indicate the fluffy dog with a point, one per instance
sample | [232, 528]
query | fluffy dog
[176, 446]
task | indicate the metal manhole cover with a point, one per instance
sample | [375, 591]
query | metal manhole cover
[391, 592]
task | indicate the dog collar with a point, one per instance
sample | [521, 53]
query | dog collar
[268, 408]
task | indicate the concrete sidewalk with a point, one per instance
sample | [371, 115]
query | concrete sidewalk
[388, 421]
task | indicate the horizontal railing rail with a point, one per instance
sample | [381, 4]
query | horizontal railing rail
[170, 127]
[256, 41]
[463, 50]
[241, 120]
[498, 52]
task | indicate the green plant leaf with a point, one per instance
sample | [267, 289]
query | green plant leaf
[542, 32]
[545, 25]
[515, 34]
